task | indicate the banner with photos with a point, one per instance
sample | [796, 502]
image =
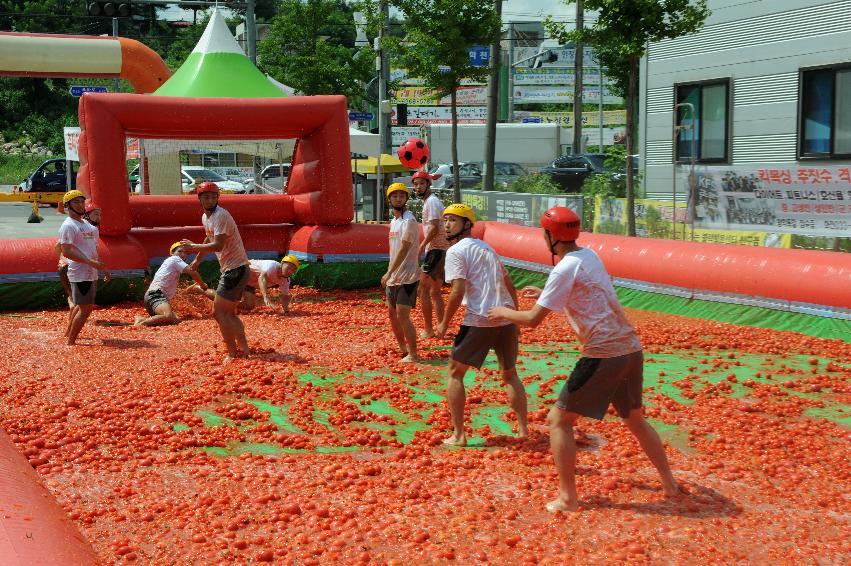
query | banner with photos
[811, 200]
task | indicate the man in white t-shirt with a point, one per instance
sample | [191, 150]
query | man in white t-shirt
[479, 282]
[223, 238]
[403, 272]
[79, 244]
[266, 273]
[433, 246]
[610, 370]
[164, 286]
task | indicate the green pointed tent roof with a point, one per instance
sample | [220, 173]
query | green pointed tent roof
[217, 67]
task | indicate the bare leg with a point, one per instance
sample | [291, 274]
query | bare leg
[72, 313]
[80, 318]
[457, 399]
[403, 315]
[164, 316]
[223, 312]
[652, 445]
[437, 297]
[396, 326]
[517, 400]
[425, 301]
[249, 301]
[563, 447]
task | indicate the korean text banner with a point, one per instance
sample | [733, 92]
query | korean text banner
[810, 200]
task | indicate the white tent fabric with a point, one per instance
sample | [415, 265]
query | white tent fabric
[364, 142]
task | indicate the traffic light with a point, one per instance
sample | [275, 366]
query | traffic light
[115, 9]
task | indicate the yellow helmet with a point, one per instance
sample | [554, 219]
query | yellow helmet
[71, 195]
[173, 247]
[290, 259]
[398, 187]
[462, 210]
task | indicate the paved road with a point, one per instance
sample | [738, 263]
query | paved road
[13, 221]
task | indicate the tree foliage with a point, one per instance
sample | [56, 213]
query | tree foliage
[310, 47]
[435, 49]
[620, 35]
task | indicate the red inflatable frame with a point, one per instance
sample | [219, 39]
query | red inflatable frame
[319, 187]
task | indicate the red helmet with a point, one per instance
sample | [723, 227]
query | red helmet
[422, 175]
[207, 187]
[90, 206]
[562, 224]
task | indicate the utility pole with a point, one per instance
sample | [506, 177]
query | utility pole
[493, 101]
[577, 85]
[384, 133]
[510, 72]
[251, 31]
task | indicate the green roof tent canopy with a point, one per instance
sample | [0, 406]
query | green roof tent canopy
[217, 68]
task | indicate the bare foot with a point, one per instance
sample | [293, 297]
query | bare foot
[456, 440]
[672, 490]
[409, 359]
[138, 320]
[561, 506]
[427, 334]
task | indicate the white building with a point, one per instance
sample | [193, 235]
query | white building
[770, 82]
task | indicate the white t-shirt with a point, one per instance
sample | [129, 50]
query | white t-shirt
[272, 270]
[476, 262]
[221, 222]
[168, 275]
[404, 229]
[582, 290]
[433, 210]
[84, 237]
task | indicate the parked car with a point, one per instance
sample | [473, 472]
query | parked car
[50, 176]
[190, 175]
[570, 171]
[472, 174]
[272, 179]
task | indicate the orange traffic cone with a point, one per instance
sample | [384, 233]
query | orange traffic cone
[60, 208]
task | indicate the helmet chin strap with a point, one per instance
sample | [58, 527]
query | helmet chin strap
[458, 234]
[78, 212]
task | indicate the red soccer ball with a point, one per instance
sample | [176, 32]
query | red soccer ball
[413, 153]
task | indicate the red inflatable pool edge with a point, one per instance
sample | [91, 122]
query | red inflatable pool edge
[34, 528]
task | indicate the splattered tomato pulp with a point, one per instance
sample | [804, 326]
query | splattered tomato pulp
[322, 448]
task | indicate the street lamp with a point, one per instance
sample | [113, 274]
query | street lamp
[676, 129]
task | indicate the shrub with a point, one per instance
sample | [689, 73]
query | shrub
[535, 183]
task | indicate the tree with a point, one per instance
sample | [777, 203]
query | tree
[310, 47]
[439, 33]
[620, 35]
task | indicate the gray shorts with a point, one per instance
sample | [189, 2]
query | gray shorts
[153, 299]
[232, 283]
[403, 294]
[83, 292]
[472, 344]
[597, 382]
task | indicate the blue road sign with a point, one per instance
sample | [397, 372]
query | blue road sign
[360, 116]
[532, 120]
[479, 56]
[78, 90]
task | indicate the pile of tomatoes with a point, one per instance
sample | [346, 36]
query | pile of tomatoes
[323, 448]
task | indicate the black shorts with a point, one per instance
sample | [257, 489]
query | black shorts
[403, 294]
[472, 344]
[83, 292]
[153, 299]
[433, 264]
[63, 278]
[597, 382]
[232, 283]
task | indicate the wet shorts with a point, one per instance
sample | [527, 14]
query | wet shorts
[473, 343]
[433, 264]
[597, 382]
[83, 292]
[63, 278]
[232, 283]
[153, 299]
[403, 294]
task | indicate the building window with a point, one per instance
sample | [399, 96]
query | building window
[711, 102]
[825, 124]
